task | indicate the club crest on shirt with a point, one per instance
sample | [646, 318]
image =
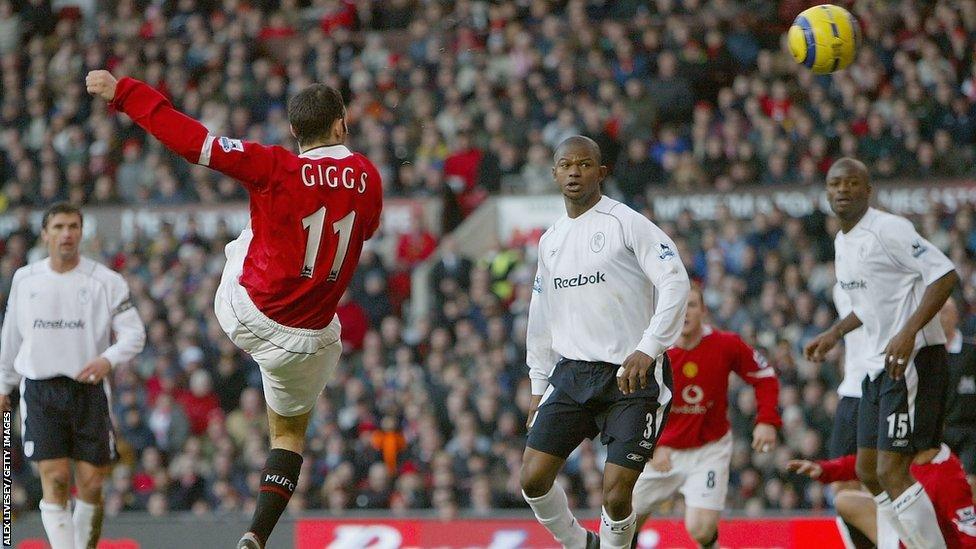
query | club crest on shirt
[228, 144]
[666, 252]
[83, 295]
[597, 242]
[918, 249]
[690, 369]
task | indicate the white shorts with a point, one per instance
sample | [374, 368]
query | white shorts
[700, 474]
[296, 363]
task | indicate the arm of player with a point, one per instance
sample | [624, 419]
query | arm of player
[817, 348]
[828, 471]
[130, 333]
[752, 367]
[10, 340]
[658, 257]
[540, 357]
[247, 162]
[916, 255]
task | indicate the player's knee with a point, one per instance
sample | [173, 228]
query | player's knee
[57, 485]
[535, 483]
[617, 498]
[90, 489]
[893, 472]
[702, 531]
[867, 472]
[847, 504]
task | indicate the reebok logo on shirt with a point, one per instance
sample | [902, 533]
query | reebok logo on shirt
[854, 285]
[579, 280]
[59, 324]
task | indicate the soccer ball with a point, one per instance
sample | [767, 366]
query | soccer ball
[824, 38]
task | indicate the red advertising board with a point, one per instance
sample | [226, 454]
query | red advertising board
[812, 533]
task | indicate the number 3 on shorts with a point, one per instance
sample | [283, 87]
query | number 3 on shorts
[649, 431]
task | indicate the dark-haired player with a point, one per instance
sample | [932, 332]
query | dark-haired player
[896, 281]
[310, 214]
[609, 297]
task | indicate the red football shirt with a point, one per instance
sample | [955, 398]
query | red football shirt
[701, 385]
[310, 213]
[943, 479]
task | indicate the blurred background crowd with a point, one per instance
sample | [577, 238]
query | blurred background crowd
[458, 101]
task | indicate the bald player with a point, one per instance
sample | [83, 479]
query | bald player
[609, 299]
[896, 282]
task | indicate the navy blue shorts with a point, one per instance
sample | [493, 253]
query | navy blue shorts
[64, 418]
[905, 415]
[843, 437]
[583, 400]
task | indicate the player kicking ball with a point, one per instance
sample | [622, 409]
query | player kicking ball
[608, 300]
[310, 214]
[694, 452]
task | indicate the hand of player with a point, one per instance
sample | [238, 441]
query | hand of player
[661, 461]
[4, 403]
[805, 467]
[763, 437]
[101, 84]
[533, 408]
[816, 350]
[633, 373]
[898, 353]
[95, 371]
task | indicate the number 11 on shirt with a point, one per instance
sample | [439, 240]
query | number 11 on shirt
[314, 223]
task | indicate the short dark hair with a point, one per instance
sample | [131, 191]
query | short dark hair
[61, 208]
[313, 110]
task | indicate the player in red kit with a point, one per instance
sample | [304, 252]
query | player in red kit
[939, 472]
[694, 451]
[310, 214]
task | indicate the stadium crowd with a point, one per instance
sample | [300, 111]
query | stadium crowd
[460, 100]
[688, 94]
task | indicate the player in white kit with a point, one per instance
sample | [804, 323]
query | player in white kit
[609, 299]
[897, 281]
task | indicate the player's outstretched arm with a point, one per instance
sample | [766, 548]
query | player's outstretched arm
[816, 350]
[249, 163]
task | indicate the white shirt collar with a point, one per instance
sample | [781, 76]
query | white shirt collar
[954, 346]
[337, 152]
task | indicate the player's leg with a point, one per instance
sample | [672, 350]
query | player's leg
[93, 451]
[857, 508]
[868, 421]
[912, 411]
[291, 391]
[618, 521]
[88, 512]
[559, 426]
[654, 488]
[55, 511]
[630, 431]
[705, 490]
[702, 526]
[843, 442]
[44, 412]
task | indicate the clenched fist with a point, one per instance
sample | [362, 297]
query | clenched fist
[101, 84]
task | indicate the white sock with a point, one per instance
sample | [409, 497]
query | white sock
[889, 527]
[84, 519]
[616, 534]
[57, 523]
[917, 515]
[552, 511]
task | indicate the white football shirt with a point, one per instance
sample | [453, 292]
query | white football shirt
[609, 282]
[57, 322]
[884, 266]
[855, 356]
